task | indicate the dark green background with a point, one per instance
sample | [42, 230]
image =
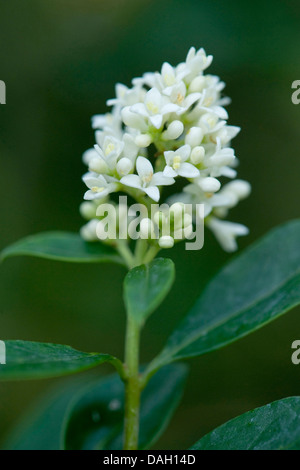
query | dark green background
[60, 61]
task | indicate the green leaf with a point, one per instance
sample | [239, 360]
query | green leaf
[28, 360]
[88, 414]
[62, 246]
[251, 291]
[272, 427]
[41, 427]
[96, 418]
[146, 286]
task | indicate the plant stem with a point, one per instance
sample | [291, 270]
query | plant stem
[132, 386]
[151, 253]
[126, 253]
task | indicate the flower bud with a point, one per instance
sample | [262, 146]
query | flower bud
[89, 231]
[197, 155]
[166, 242]
[174, 131]
[143, 140]
[88, 156]
[208, 121]
[124, 166]
[240, 188]
[98, 165]
[197, 84]
[133, 119]
[194, 136]
[210, 185]
[87, 210]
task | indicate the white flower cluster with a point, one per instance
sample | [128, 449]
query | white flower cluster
[169, 126]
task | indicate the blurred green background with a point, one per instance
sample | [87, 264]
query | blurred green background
[60, 61]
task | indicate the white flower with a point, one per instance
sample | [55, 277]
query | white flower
[177, 163]
[155, 108]
[226, 232]
[169, 76]
[175, 117]
[146, 180]
[178, 95]
[99, 186]
[197, 195]
[234, 192]
[127, 96]
[218, 159]
[196, 62]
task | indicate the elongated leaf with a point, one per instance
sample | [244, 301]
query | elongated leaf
[41, 426]
[29, 360]
[272, 427]
[96, 417]
[252, 290]
[62, 246]
[89, 414]
[146, 286]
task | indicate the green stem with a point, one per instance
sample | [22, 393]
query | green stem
[132, 386]
[140, 250]
[151, 253]
[125, 252]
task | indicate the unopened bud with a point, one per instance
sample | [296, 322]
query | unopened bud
[143, 140]
[87, 210]
[89, 231]
[194, 136]
[124, 166]
[174, 131]
[210, 185]
[98, 165]
[240, 188]
[166, 242]
[197, 84]
[197, 155]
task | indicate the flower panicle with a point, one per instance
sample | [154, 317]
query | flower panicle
[168, 126]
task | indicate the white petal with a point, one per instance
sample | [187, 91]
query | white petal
[169, 155]
[153, 96]
[188, 170]
[159, 179]
[152, 192]
[91, 195]
[133, 181]
[143, 167]
[89, 155]
[184, 152]
[156, 121]
[170, 108]
[191, 99]
[169, 172]
[92, 181]
[139, 108]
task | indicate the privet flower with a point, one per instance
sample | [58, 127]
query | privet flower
[168, 129]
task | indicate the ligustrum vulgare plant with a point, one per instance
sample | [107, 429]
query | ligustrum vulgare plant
[162, 171]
